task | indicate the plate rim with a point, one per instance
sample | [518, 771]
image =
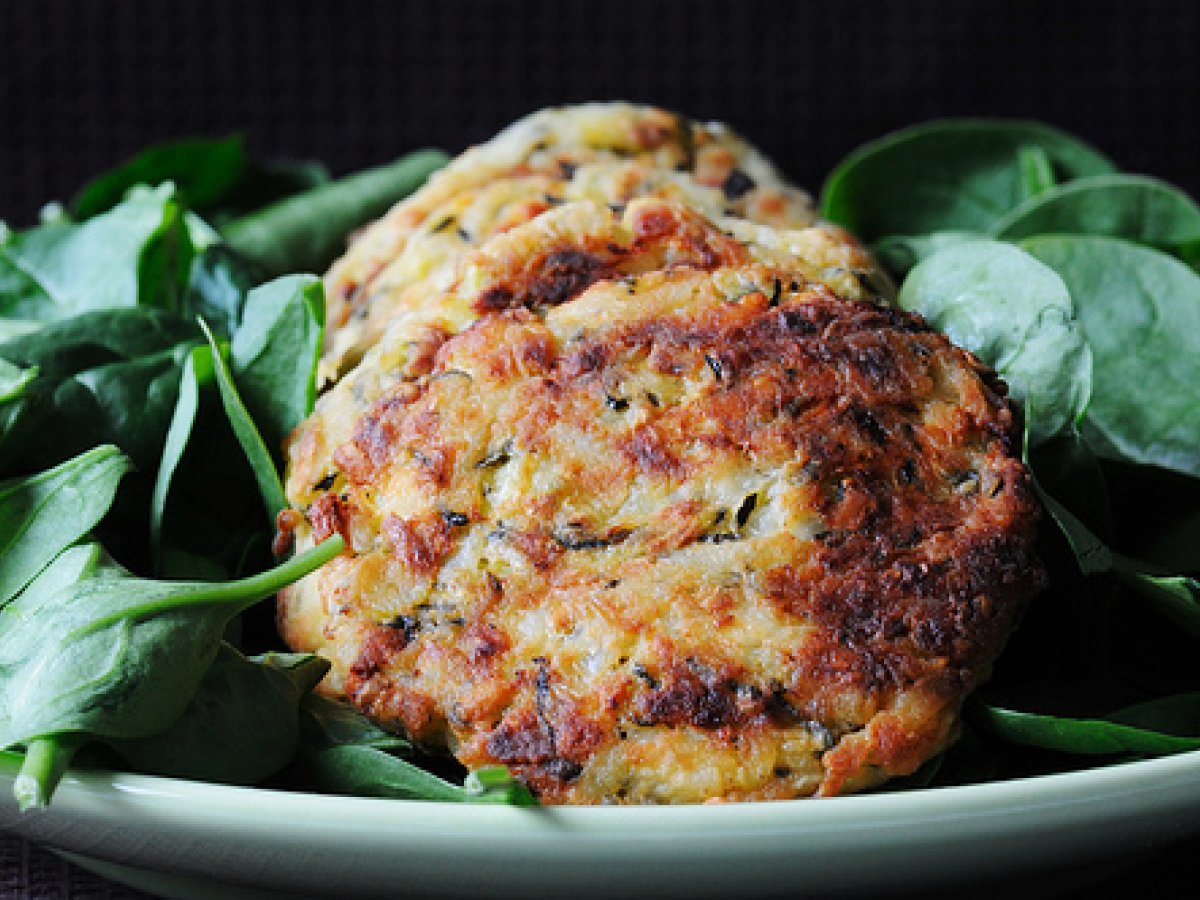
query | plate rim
[1022, 831]
[1096, 784]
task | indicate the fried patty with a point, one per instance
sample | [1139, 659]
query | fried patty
[655, 507]
[546, 261]
[608, 153]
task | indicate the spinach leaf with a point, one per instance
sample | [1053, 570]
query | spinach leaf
[114, 376]
[42, 515]
[332, 723]
[114, 657]
[1091, 553]
[274, 354]
[1017, 316]
[22, 299]
[241, 726]
[1140, 209]
[1176, 597]
[342, 752]
[136, 254]
[900, 252]
[367, 772]
[1037, 171]
[14, 379]
[12, 328]
[495, 784]
[1140, 312]
[128, 401]
[304, 233]
[1114, 734]
[203, 170]
[959, 174]
[94, 339]
[248, 435]
[214, 176]
[106, 377]
[1068, 470]
[74, 564]
[264, 183]
[55, 418]
[200, 233]
[212, 525]
[217, 289]
[364, 771]
[46, 761]
[197, 370]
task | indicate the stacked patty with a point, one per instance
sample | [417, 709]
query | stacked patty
[649, 494]
[604, 153]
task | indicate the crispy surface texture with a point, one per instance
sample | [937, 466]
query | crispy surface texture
[654, 505]
[608, 153]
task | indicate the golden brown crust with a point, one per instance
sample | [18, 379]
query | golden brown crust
[661, 519]
[646, 500]
[603, 153]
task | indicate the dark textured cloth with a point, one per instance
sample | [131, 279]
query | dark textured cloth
[85, 84]
[27, 871]
[30, 873]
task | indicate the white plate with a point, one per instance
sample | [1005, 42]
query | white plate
[186, 839]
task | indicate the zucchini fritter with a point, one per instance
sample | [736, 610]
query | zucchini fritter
[652, 504]
[608, 153]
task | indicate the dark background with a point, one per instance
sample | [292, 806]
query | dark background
[84, 85]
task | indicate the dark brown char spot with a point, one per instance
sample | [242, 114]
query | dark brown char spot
[557, 277]
[381, 646]
[421, 543]
[329, 515]
[685, 699]
[525, 740]
[563, 274]
[528, 741]
[495, 299]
